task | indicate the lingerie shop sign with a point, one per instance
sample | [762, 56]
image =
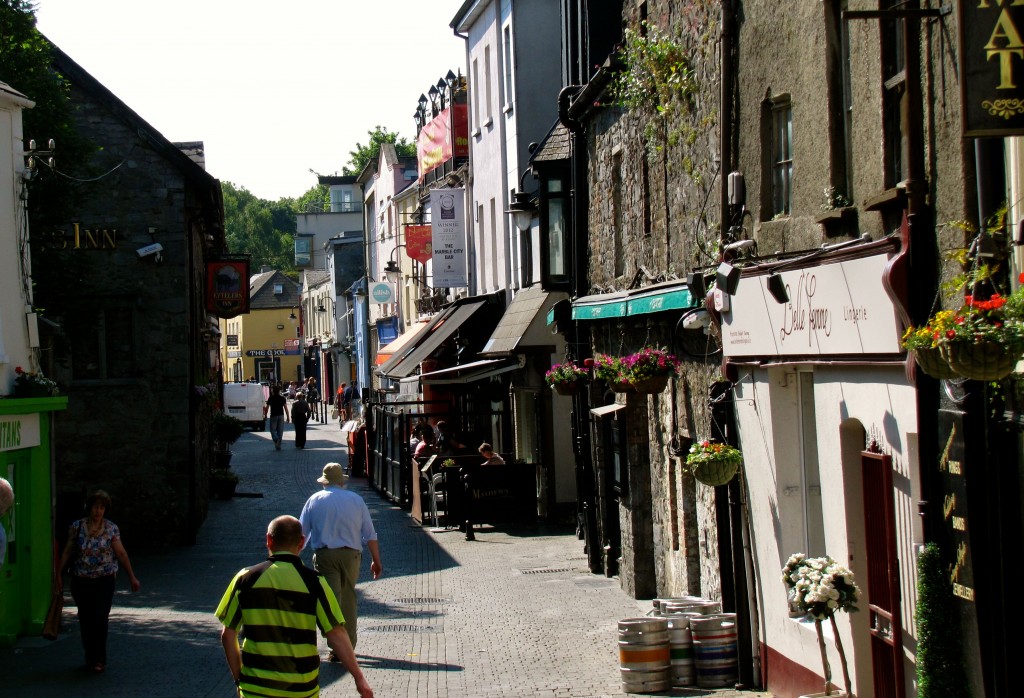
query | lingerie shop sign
[834, 309]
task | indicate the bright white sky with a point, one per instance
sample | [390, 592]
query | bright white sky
[272, 88]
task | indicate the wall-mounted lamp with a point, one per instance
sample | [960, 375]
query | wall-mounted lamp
[292, 316]
[695, 283]
[392, 272]
[522, 208]
[321, 309]
[777, 287]
[727, 278]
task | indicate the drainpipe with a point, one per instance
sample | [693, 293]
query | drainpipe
[731, 503]
[586, 503]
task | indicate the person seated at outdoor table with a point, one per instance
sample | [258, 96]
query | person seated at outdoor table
[426, 447]
[448, 443]
[490, 457]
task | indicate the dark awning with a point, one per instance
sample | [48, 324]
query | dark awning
[471, 372]
[437, 331]
[524, 323]
[670, 295]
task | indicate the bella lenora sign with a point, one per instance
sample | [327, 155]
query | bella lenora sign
[448, 223]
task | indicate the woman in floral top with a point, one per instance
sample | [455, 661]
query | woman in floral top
[94, 549]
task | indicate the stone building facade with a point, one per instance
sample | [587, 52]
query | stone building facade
[136, 339]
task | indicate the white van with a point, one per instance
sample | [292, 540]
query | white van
[245, 401]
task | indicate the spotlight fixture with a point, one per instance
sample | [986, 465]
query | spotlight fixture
[727, 278]
[777, 287]
[695, 282]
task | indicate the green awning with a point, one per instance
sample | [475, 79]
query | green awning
[673, 295]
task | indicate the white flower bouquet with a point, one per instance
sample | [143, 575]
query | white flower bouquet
[820, 586]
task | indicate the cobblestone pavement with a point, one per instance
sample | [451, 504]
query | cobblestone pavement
[514, 613]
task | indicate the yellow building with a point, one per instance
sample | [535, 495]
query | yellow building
[265, 343]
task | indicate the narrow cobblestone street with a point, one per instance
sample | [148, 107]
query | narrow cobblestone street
[515, 613]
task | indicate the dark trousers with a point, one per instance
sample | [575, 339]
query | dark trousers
[93, 596]
[300, 434]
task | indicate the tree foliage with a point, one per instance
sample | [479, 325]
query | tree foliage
[365, 154]
[263, 229]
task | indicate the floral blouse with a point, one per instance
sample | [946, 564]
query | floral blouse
[95, 554]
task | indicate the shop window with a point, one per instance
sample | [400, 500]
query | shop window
[526, 425]
[104, 342]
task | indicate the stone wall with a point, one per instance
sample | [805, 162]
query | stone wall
[133, 353]
[653, 184]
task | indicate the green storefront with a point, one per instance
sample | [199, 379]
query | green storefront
[26, 461]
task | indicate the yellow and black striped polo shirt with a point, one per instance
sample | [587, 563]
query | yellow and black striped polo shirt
[277, 606]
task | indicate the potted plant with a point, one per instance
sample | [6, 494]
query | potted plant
[226, 430]
[821, 587]
[565, 379]
[940, 657]
[713, 464]
[223, 483]
[32, 384]
[649, 369]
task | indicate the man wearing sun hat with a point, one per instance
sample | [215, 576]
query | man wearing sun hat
[336, 524]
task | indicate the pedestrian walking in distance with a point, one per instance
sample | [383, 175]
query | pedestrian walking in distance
[300, 417]
[278, 605]
[276, 409]
[336, 523]
[94, 550]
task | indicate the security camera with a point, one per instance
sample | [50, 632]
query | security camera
[156, 248]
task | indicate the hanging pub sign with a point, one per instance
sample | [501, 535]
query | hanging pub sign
[417, 243]
[227, 287]
[992, 67]
[448, 228]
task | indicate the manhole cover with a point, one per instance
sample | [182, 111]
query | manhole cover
[400, 628]
[422, 600]
[546, 570]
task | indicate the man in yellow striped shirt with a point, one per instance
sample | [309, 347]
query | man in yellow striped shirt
[278, 606]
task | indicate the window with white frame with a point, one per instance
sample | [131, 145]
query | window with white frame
[507, 60]
[782, 157]
[810, 473]
[487, 87]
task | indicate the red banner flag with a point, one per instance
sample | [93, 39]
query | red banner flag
[418, 242]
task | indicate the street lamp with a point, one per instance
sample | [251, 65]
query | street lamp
[391, 270]
[522, 208]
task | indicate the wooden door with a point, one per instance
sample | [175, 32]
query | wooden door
[883, 576]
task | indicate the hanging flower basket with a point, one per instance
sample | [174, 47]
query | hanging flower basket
[652, 385]
[622, 387]
[567, 388]
[566, 379]
[715, 473]
[713, 464]
[929, 360]
[983, 360]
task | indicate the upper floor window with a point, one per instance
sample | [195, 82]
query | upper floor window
[507, 56]
[487, 86]
[894, 82]
[782, 157]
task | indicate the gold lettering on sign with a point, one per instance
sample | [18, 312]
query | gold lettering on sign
[1004, 44]
[959, 523]
[961, 558]
[965, 593]
[944, 458]
[89, 239]
[948, 505]
[955, 468]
